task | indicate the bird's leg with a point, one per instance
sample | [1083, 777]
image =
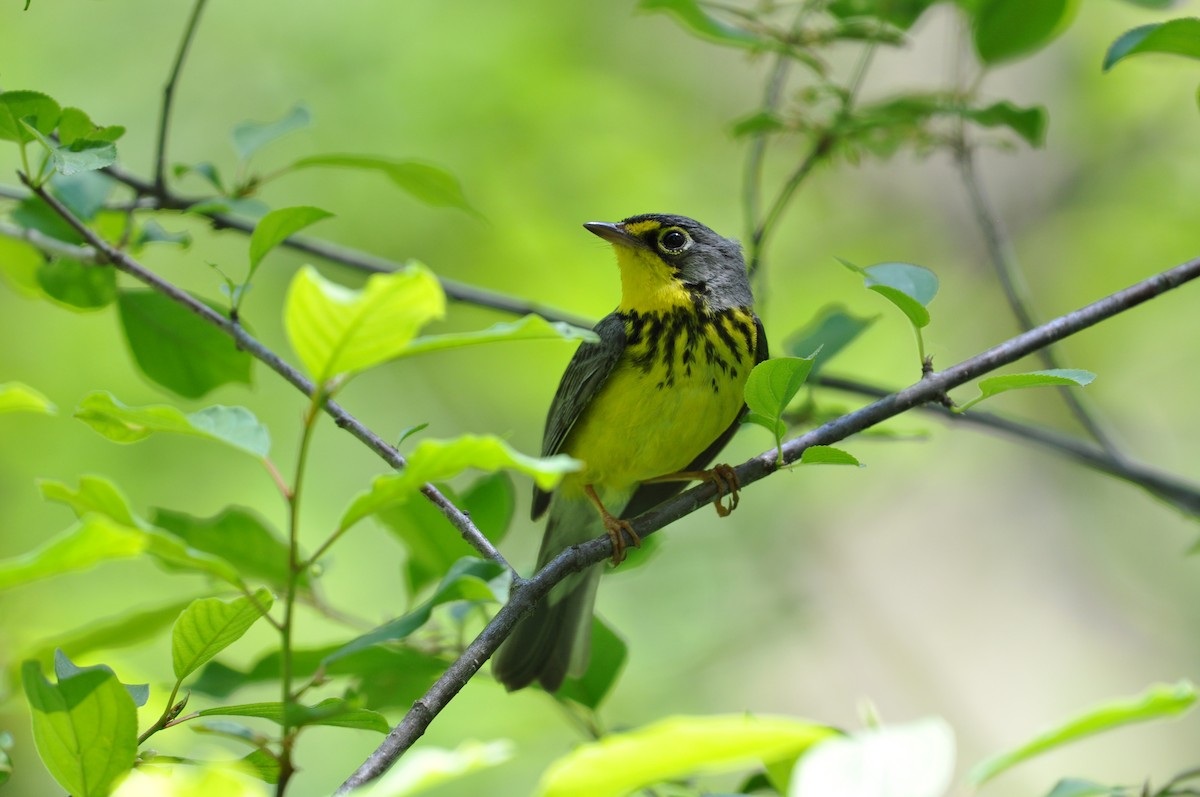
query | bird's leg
[614, 526]
[723, 476]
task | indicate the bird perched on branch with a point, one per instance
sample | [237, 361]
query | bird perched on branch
[646, 408]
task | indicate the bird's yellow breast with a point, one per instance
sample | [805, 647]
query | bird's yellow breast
[676, 388]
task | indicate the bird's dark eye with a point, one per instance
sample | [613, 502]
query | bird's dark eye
[673, 240]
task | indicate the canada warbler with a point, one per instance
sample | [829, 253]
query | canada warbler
[646, 408]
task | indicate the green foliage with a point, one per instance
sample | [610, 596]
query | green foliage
[677, 747]
[1060, 377]
[609, 652]
[236, 535]
[177, 349]
[77, 285]
[6, 767]
[832, 330]
[423, 181]
[209, 625]
[1157, 702]
[333, 711]
[234, 426]
[827, 455]
[770, 388]
[16, 397]
[250, 137]
[697, 19]
[530, 327]
[1004, 30]
[1176, 37]
[85, 727]
[275, 227]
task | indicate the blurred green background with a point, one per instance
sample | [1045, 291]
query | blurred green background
[959, 575]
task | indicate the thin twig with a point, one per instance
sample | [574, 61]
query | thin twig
[248, 343]
[1168, 487]
[354, 258]
[164, 119]
[1004, 262]
[49, 245]
[525, 593]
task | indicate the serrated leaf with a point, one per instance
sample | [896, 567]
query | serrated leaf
[911, 760]
[83, 155]
[209, 625]
[249, 137]
[697, 19]
[238, 536]
[18, 397]
[1003, 30]
[1157, 702]
[827, 455]
[1173, 37]
[65, 668]
[333, 711]
[84, 727]
[76, 285]
[38, 109]
[995, 385]
[176, 348]
[674, 748]
[774, 383]
[607, 659]
[530, 327]
[275, 227]
[833, 329]
[95, 539]
[336, 330]
[437, 460]
[469, 579]
[423, 181]
[234, 426]
[427, 767]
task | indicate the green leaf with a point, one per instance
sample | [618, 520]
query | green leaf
[1157, 702]
[696, 19]
[84, 194]
[774, 383]
[19, 265]
[249, 137]
[81, 156]
[1175, 37]
[333, 711]
[437, 460]
[1007, 29]
[426, 767]
[95, 494]
[994, 385]
[912, 760]
[530, 327]
[65, 668]
[609, 652]
[1071, 787]
[18, 107]
[899, 13]
[84, 727]
[676, 747]
[757, 124]
[909, 287]
[275, 227]
[833, 329]
[234, 426]
[176, 348]
[336, 330]
[469, 579]
[236, 535]
[206, 171]
[491, 502]
[423, 181]
[34, 214]
[74, 124]
[210, 625]
[152, 233]
[1028, 123]
[78, 286]
[827, 455]
[18, 397]
[96, 538]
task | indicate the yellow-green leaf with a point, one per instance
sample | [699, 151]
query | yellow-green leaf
[16, 397]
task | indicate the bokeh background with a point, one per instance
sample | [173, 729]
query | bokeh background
[956, 575]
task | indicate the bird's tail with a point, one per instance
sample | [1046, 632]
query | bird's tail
[554, 640]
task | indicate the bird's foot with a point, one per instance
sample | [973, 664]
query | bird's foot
[616, 528]
[727, 483]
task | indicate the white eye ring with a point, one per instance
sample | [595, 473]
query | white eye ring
[674, 240]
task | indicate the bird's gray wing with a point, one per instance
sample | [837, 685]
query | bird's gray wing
[651, 494]
[587, 372]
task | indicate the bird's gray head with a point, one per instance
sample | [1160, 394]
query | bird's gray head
[668, 260]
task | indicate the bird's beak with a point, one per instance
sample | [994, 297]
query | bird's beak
[615, 234]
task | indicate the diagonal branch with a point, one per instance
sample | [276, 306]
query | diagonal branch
[246, 342]
[525, 593]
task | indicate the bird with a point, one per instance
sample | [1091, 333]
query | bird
[646, 408]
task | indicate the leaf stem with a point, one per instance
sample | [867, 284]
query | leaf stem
[164, 119]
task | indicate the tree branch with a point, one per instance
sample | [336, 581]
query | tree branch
[164, 119]
[1179, 492]
[248, 343]
[525, 594]
[47, 244]
[354, 258]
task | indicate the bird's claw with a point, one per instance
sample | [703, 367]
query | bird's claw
[617, 529]
[727, 483]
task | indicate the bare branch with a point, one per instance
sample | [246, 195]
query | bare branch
[245, 341]
[525, 594]
[164, 119]
[48, 245]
